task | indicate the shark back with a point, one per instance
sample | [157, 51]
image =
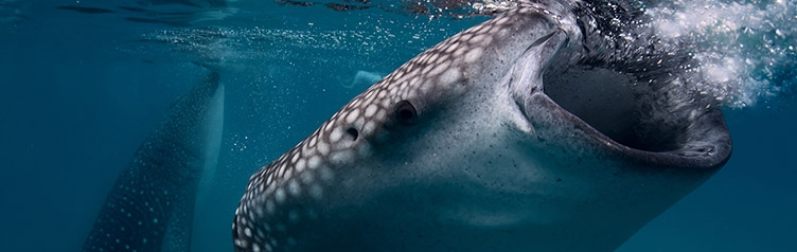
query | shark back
[151, 205]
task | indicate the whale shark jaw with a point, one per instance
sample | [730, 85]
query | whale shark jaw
[514, 135]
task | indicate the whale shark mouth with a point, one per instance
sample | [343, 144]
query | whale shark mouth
[612, 103]
[638, 96]
[652, 113]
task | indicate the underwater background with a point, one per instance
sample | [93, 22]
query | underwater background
[83, 83]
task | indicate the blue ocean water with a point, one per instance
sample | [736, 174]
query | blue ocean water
[84, 82]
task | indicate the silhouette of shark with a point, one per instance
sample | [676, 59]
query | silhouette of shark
[151, 205]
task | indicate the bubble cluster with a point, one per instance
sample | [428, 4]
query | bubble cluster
[746, 50]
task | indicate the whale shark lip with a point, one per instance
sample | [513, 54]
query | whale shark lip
[619, 98]
[622, 112]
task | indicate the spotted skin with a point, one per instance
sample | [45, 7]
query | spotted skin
[459, 150]
[151, 204]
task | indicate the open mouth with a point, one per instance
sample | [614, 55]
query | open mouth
[616, 105]
[652, 113]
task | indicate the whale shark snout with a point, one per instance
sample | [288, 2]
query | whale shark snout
[529, 132]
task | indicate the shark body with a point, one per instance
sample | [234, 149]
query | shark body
[529, 132]
[151, 205]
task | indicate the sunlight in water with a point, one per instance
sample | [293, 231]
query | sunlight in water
[745, 50]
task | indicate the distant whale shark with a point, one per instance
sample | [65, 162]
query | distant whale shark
[547, 128]
[168, 12]
[151, 205]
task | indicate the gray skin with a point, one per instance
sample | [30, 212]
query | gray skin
[466, 148]
[151, 205]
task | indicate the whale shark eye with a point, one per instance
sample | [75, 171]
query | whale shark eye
[404, 113]
[353, 133]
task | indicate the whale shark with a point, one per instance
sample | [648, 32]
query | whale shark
[541, 129]
[151, 204]
[180, 13]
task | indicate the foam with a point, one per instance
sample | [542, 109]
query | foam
[743, 49]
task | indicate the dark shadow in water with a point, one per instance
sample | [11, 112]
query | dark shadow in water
[86, 10]
[179, 13]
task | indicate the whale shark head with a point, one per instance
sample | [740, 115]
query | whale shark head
[521, 133]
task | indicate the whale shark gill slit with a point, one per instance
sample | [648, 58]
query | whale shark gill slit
[528, 132]
[151, 204]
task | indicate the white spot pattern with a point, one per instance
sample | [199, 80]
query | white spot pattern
[350, 134]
